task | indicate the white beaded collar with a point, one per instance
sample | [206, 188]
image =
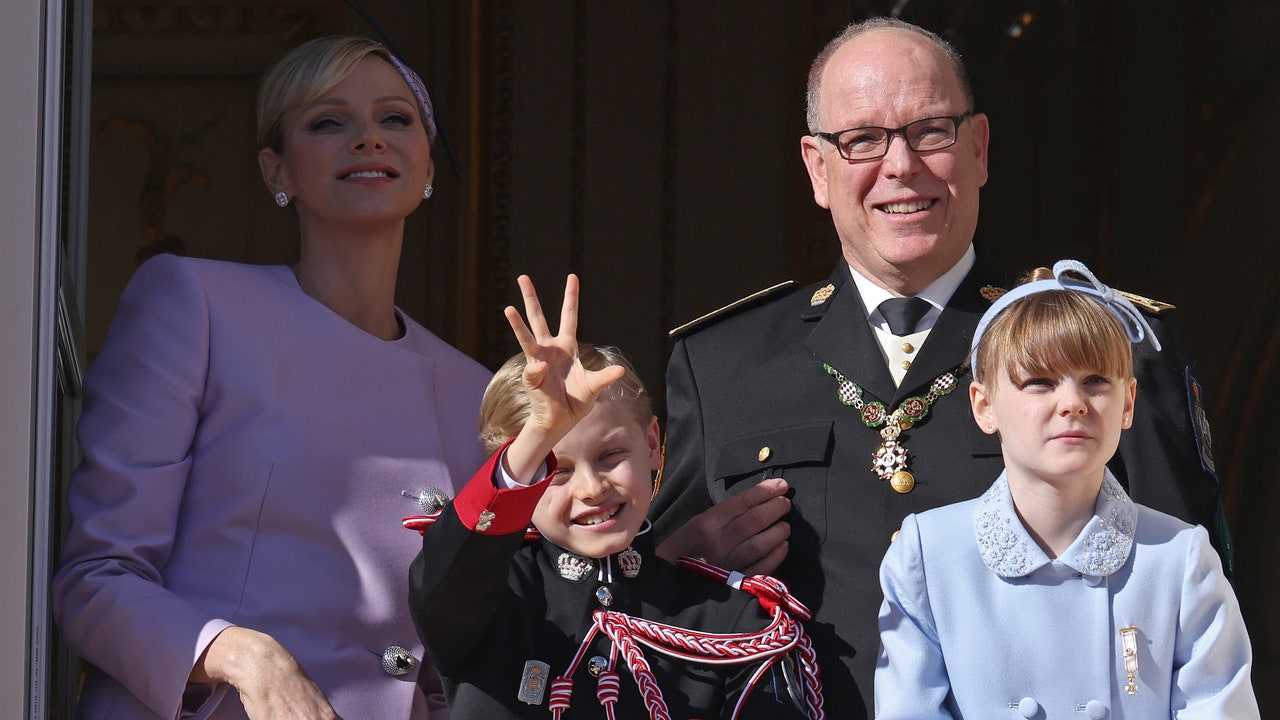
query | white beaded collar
[1101, 548]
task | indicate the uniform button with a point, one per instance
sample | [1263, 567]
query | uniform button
[765, 453]
[397, 661]
[1028, 707]
[906, 364]
[895, 535]
[1095, 709]
[603, 596]
[486, 521]
[908, 348]
[597, 665]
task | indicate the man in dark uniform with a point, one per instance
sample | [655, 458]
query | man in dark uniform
[861, 408]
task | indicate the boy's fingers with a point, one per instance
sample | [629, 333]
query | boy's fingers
[569, 309]
[601, 379]
[533, 308]
[534, 371]
[524, 336]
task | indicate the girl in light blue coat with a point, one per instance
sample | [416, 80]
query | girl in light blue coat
[1053, 595]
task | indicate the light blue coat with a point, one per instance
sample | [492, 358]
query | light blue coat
[977, 622]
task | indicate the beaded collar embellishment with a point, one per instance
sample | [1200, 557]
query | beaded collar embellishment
[1102, 547]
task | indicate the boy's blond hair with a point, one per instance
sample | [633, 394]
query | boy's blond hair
[505, 406]
[1051, 332]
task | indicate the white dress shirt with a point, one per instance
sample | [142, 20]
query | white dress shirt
[899, 350]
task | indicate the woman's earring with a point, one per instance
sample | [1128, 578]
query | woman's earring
[990, 429]
[426, 192]
[282, 199]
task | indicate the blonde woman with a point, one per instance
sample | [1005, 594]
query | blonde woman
[252, 436]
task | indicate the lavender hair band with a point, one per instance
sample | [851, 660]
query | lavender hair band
[419, 89]
[1131, 319]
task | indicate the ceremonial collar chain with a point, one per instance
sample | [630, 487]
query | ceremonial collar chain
[889, 462]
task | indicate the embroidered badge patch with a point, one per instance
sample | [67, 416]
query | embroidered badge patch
[533, 682]
[1200, 424]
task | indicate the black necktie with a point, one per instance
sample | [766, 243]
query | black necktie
[903, 314]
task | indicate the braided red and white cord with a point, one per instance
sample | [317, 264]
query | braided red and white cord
[783, 634]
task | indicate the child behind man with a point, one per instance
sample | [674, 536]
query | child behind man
[500, 615]
[1053, 595]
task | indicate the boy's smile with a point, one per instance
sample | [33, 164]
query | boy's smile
[597, 517]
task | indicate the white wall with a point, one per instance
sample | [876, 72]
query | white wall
[21, 48]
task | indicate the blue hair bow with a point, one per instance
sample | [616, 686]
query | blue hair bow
[1131, 319]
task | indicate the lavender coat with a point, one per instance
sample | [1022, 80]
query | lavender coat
[246, 458]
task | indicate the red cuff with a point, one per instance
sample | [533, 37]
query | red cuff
[484, 508]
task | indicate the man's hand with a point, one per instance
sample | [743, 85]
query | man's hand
[744, 532]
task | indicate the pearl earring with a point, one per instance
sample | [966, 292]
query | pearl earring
[427, 191]
[282, 199]
[991, 428]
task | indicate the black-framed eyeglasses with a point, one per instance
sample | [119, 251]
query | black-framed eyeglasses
[871, 143]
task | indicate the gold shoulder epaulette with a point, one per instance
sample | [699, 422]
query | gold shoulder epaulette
[730, 308]
[1151, 306]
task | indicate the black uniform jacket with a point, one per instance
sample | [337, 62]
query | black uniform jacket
[752, 378]
[487, 601]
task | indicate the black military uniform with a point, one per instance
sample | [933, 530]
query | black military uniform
[749, 399]
[486, 601]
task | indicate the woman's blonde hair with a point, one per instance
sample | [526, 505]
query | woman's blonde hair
[1049, 333]
[304, 75]
[505, 406]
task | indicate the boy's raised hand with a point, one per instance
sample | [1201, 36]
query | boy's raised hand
[561, 391]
